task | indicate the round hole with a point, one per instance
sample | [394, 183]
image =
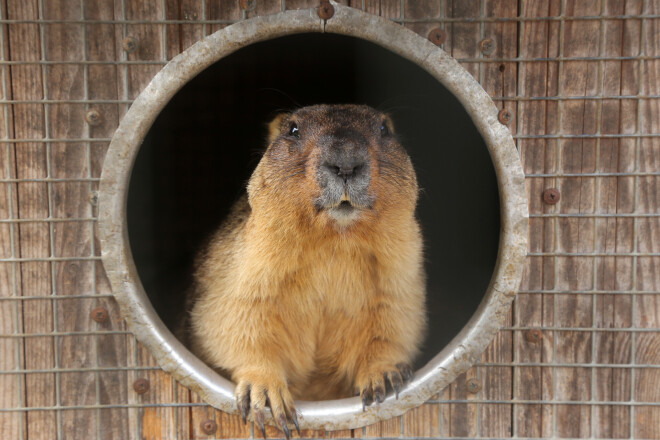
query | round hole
[142, 125]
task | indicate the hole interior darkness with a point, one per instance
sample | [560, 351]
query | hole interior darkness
[198, 155]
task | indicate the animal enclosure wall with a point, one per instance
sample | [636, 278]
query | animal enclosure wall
[580, 354]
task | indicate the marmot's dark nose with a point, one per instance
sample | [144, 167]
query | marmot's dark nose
[347, 169]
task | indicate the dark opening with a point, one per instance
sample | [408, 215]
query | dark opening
[200, 152]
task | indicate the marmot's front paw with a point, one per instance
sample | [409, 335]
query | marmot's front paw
[257, 394]
[373, 384]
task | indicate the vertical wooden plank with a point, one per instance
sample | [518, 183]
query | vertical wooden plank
[182, 36]
[104, 82]
[422, 11]
[538, 39]
[231, 11]
[384, 8]
[12, 425]
[65, 81]
[26, 83]
[616, 195]
[151, 46]
[576, 235]
[647, 381]
[463, 37]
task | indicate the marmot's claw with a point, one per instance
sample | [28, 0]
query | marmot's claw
[373, 386]
[394, 377]
[366, 397]
[294, 419]
[243, 400]
[405, 370]
[256, 396]
[379, 391]
[281, 420]
[260, 419]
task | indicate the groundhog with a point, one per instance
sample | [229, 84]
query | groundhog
[314, 287]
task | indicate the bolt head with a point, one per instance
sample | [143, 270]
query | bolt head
[473, 386]
[505, 116]
[487, 46]
[93, 117]
[129, 44]
[437, 36]
[209, 427]
[141, 386]
[326, 10]
[534, 336]
[100, 314]
[551, 196]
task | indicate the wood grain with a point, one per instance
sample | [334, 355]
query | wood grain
[34, 238]
[538, 156]
[12, 425]
[646, 420]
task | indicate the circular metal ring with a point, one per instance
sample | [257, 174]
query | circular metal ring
[457, 356]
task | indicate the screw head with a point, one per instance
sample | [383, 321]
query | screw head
[209, 427]
[326, 10]
[141, 386]
[100, 314]
[551, 196]
[437, 36]
[247, 5]
[473, 386]
[487, 46]
[130, 44]
[533, 336]
[93, 117]
[505, 116]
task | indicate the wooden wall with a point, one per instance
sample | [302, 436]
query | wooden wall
[580, 354]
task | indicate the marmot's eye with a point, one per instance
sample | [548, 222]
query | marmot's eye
[384, 130]
[293, 130]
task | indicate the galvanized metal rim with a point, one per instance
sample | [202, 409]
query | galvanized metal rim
[455, 358]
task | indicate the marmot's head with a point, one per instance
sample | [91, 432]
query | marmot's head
[338, 165]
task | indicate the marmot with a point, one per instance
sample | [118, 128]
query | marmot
[314, 287]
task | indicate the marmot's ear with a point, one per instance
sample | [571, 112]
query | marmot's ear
[390, 124]
[275, 127]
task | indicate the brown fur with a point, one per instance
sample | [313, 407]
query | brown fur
[293, 304]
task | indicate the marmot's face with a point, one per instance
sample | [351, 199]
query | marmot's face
[340, 161]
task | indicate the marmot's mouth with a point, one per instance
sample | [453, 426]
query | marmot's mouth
[345, 206]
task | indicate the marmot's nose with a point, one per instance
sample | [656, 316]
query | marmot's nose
[345, 171]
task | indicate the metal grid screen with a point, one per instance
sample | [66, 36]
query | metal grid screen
[580, 355]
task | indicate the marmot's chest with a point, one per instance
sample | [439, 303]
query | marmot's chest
[343, 280]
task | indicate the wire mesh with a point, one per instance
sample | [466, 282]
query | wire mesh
[135, 362]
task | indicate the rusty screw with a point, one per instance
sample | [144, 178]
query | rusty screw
[437, 36]
[130, 44]
[326, 10]
[533, 336]
[141, 386]
[551, 196]
[247, 5]
[100, 314]
[93, 117]
[209, 427]
[94, 198]
[487, 46]
[505, 116]
[473, 386]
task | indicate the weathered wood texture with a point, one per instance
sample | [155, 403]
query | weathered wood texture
[580, 353]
